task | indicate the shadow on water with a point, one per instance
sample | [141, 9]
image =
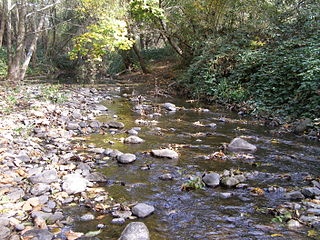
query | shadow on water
[200, 214]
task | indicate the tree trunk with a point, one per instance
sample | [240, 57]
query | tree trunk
[3, 22]
[141, 59]
[14, 70]
[31, 50]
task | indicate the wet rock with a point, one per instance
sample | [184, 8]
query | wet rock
[133, 132]
[170, 107]
[166, 177]
[74, 183]
[314, 211]
[229, 181]
[118, 221]
[115, 154]
[87, 217]
[38, 234]
[135, 231]
[211, 179]
[122, 214]
[101, 108]
[72, 126]
[165, 153]
[310, 192]
[142, 210]
[4, 232]
[39, 189]
[294, 195]
[48, 176]
[212, 125]
[133, 140]
[96, 177]
[292, 224]
[126, 158]
[115, 124]
[316, 184]
[239, 144]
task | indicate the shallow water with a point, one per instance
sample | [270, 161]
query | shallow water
[199, 214]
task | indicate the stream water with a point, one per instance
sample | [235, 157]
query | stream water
[199, 214]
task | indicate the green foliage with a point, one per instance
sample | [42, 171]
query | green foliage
[146, 10]
[3, 62]
[53, 94]
[193, 184]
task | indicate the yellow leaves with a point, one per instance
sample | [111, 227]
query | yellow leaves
[312, 233]
[277, 235]
[257, 191]
[274, 141]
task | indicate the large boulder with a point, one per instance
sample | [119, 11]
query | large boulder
[133, 140]
[165, 153]
[211, 179]
[142, 210]
[74, 183]
[135, 231]
[126, 158]
[239, 144]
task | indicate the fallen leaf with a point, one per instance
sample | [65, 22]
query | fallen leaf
[73, 235]
[92, 233]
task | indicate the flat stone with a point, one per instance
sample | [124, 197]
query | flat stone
[4, 232]
[4, 221]
[115, 154]
[101, 108]
[74, 183]
[316, 184]
[15, 195]
[315, 211]
[39, 234]
[165, 153]
[170, 107]
[212, 125]
[126, 158]
[96, 177]
[134, 140]
[87, 217]
[115, 124]
[310, 192]
[122, 214]
[239, 144]
[39, 189]
[294, 195]
[118, 221]
[166, 176]
[135, 231]
[142, 210]
[292, 224]
[72, 126]
[229, 181]
[48, 176]
[211, 179]
[133, 132]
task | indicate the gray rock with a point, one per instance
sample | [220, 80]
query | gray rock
[114, 124]
[39, 189]
[4, 232]
[229, 181]
[101, 108]
[15, 195]
[95, 124]
[166, 176]
[19, 227]
[115, 154]
[239, 144]
[314, 211]
[57, 216]
[87, 217]
[118, 221]
[41, 214]
[309, 218]
[212, 125]
[316, 184]
[170, 107]
[240, 178]
[211, 179]
[126, 158]
[48, 176]
[135, 231]
[292, 224]
[310, 192]
[96, 177]
[133, 140]
[74, 183]
[4, 221]
[294, 195]
[72, 126]
[38, 234]
[133, 132]
[43, 199]
[165, 153]
[122, 214]
[142, 210]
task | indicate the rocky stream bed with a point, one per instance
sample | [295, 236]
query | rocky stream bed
[115, 161]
